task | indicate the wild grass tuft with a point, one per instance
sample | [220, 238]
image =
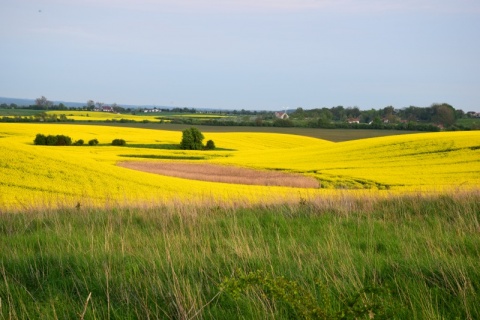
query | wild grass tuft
[420, 253]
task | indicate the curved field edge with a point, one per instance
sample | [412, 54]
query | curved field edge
[224, 174]
[67, 176]
[418, 252]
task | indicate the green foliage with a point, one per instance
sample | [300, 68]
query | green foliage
[118, 142]
[367, 302]
[301, 302]
[40, 140]
[192, 139]
[443, 114]
[93, 142]
[63, 140]
[210, 145]
[51, 140]
[283, 123]
[415, 257]
[79, 142]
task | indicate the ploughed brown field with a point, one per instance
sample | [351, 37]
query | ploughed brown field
[225, 174]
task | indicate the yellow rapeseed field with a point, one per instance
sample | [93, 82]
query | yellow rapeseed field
[103, 116]
[51, 176]
[423, 161]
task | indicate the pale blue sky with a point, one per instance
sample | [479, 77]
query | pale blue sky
[251, 54]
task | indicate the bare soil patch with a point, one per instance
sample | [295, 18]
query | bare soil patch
[225, 174]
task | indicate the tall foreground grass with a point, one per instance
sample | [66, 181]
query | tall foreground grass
[422, 253]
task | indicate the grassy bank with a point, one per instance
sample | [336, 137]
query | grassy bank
[409, 257]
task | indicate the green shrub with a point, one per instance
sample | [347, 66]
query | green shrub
[40, 139]
[93, 142]
[63, 140]
[283, 123]
[79, 142]
[51, 140]
[192, 139]
[118, 142]
[210, 145]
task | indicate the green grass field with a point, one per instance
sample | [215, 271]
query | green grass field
[18, 112]
[469, 122]
[406, 257]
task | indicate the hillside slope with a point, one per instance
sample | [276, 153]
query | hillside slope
[35, 176]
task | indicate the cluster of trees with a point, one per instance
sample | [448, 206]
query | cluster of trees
[60, 140]
[441, 114]
[192, 139]
[51, 140]
[43, 103]
[8, 106]
[181, 110]
[328, 114]
[431, 118]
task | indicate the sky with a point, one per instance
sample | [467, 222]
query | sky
[243, 54]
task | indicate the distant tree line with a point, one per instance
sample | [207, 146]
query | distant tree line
[433, 118]
[439, 114]
[410, 126]
[43, 104]
[39, 117]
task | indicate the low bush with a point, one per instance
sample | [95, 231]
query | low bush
[63, 140]
[210, 145]
[118, 142]
[300, 303]
[51, 140]
[93, 142]
[79, 142]
[40, 140]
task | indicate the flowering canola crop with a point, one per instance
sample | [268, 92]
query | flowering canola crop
[50, 176]
[102, 116]
[415, 161]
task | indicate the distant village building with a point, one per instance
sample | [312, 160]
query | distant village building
[281, 115]
[474, 114]
[104, 109]
[353, 120]
[152, 110]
